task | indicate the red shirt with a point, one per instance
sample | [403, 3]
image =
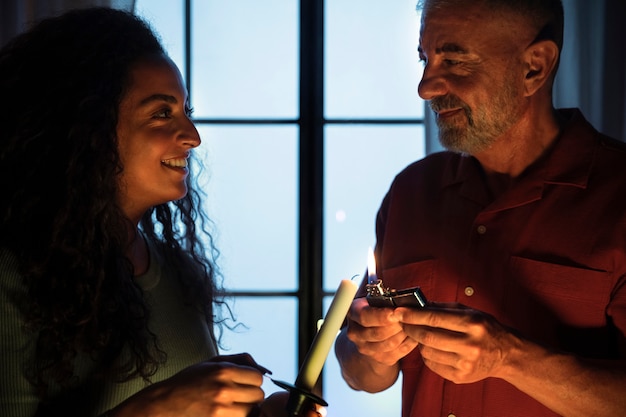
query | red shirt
[547, 257]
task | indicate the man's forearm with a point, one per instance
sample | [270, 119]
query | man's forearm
[568, 385]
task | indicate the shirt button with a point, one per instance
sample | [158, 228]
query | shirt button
[482, 229]
[469, 291]
[451, 415]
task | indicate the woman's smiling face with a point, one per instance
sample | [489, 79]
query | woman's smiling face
[155, 137]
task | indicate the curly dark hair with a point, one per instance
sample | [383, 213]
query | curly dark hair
[61, 84]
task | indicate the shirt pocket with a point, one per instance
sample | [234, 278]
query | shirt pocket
[575, 295]
[416, 274]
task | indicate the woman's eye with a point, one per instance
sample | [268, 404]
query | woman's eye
[189, 111]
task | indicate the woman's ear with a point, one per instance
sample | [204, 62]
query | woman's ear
[540, 60]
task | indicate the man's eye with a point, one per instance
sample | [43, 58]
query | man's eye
[452, 62]
[162, 114]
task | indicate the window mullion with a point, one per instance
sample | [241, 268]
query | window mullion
[311, 172]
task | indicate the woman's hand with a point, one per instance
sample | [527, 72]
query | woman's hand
[224, 386]
[274, 406]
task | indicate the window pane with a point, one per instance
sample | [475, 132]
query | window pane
[245, 58]
[167, 19]
[359, 164]
[269, 337]
[371, 62]
[251, 185]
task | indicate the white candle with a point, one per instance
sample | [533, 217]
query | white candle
[315, 358]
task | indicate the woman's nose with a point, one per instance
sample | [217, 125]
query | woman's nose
[190, 136]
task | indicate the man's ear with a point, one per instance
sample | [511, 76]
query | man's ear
[540, 60]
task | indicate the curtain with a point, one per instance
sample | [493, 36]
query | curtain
[592, 73]
[18, 15]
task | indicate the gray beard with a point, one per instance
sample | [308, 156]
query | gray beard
[483, 127]
[465, 140]
[480, 132]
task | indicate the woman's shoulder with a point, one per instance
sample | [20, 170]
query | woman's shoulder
[10, 276]
[167, 262]
[15, 341]
[13, 291]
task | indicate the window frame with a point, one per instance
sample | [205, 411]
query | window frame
[310, 122]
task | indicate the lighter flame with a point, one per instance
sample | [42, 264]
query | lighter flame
[371, 265]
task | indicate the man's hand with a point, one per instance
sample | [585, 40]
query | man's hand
[377, 333]
[458, 343]
[370, 347]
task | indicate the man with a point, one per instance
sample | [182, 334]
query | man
[518, 232]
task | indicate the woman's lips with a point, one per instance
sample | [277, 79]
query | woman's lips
[175, 162]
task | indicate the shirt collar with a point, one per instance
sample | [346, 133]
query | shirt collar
[571, 159]
[568, 163]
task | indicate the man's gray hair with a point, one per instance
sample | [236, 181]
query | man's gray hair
[546, 16]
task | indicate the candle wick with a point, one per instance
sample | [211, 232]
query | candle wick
[354, 276]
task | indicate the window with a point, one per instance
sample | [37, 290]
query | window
[307, 110]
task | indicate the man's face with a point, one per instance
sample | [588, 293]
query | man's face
[473, 76]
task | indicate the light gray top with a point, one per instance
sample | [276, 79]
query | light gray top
[181, 331]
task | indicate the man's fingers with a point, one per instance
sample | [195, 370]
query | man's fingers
[456, 320]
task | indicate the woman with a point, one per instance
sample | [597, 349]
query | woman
[108, 296]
